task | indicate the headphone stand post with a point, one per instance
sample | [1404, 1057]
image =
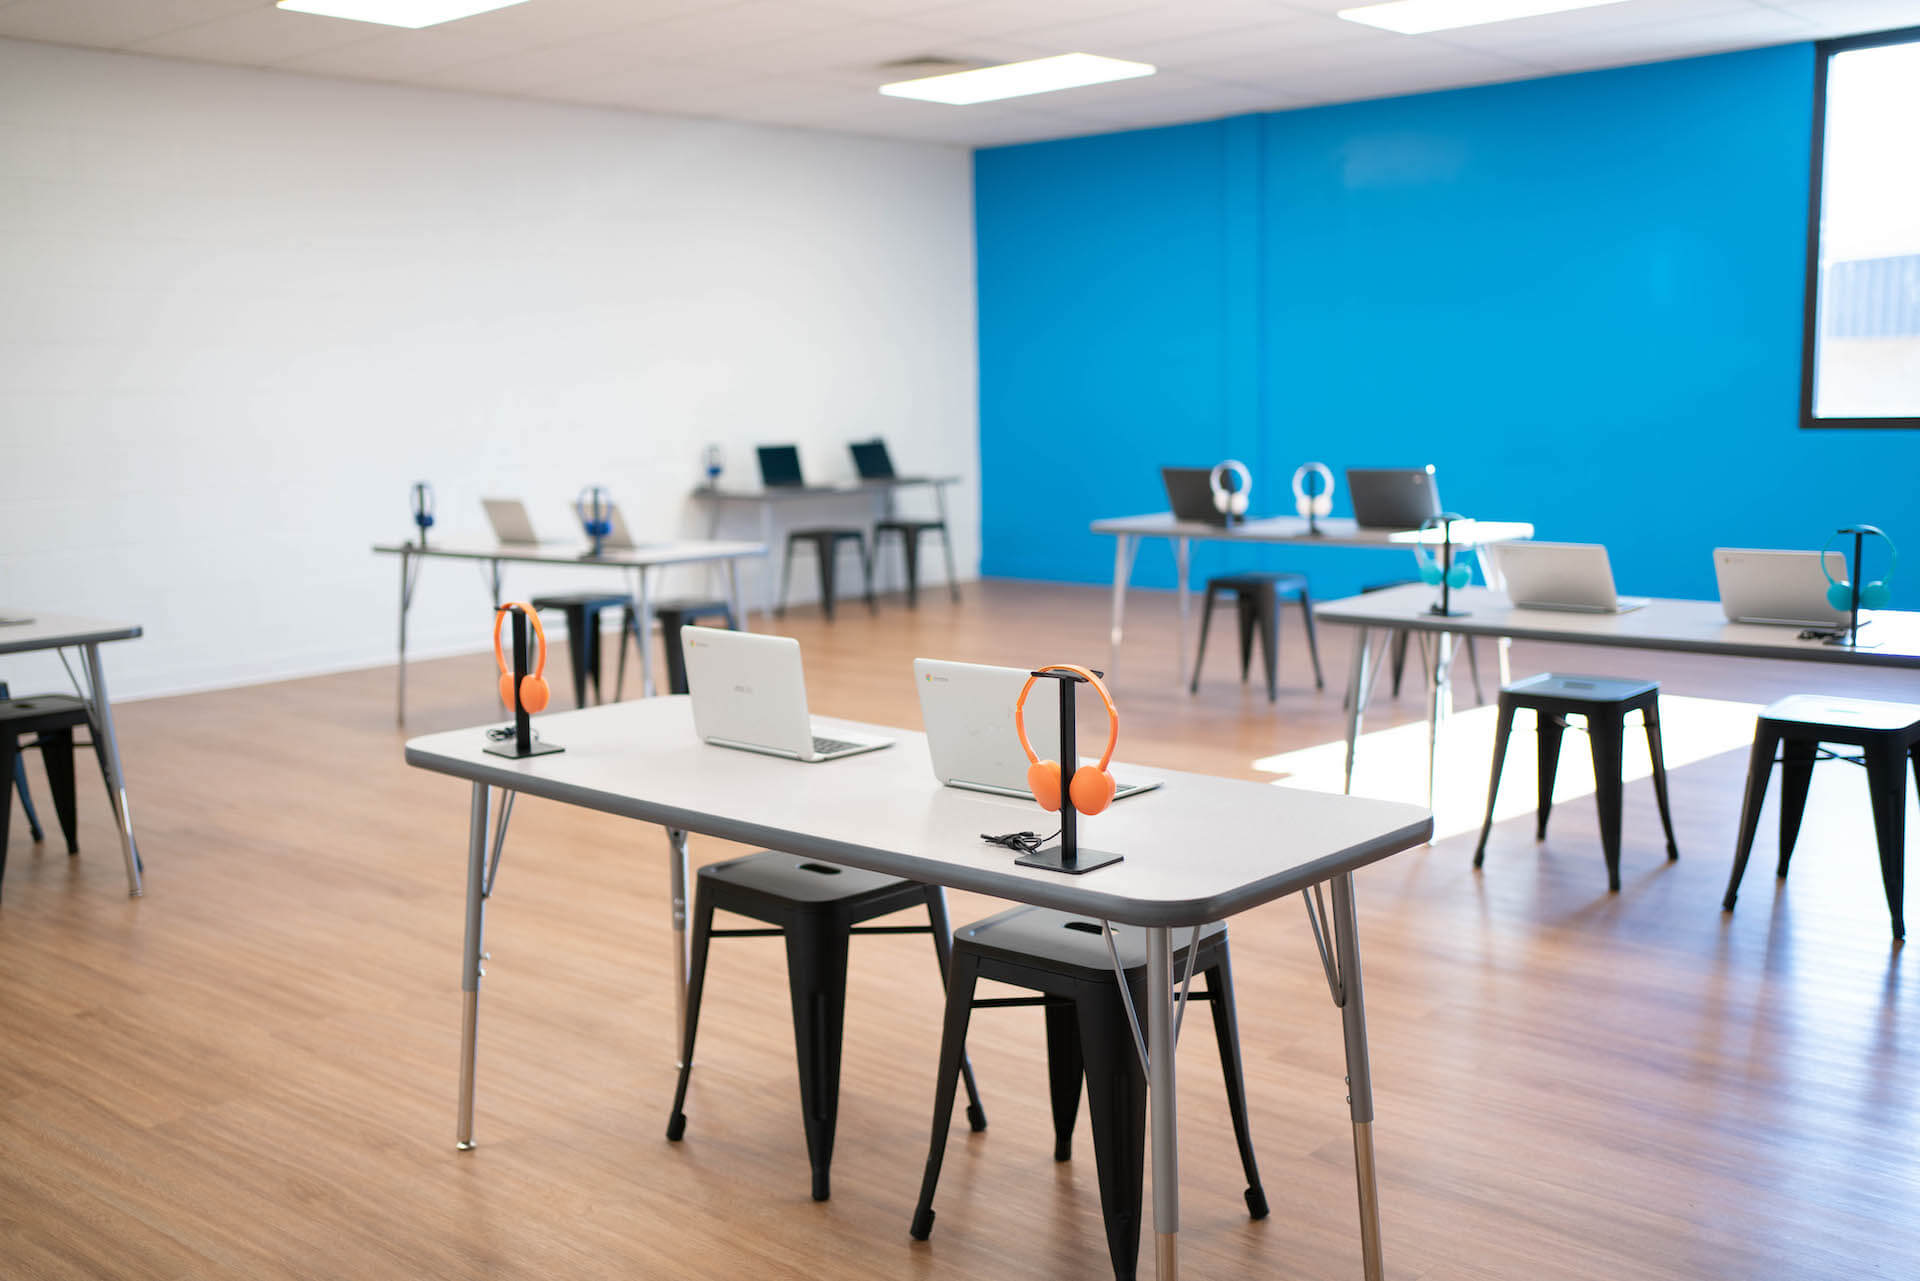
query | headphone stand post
[422, 510]
[1066, 855]
[1850, 638]
[523, 743]
[1445, 609]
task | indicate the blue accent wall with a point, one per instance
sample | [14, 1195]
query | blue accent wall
[1579, 297]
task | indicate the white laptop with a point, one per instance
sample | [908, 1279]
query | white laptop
[508, 516]
[1786, 588]
[968, 711]
[1575, 577]
[749, 693]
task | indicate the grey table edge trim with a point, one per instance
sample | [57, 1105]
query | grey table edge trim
[561, 557]
[1073, 894]
[1467, 625]
[132, 631]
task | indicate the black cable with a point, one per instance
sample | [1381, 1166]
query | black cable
[1024, 842]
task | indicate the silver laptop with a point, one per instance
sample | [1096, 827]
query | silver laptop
[1576, 577]
[749, 693]
[508, 516]
[968, 711]
[1786, 588]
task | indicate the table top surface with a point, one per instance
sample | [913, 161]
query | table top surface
[1196, 849]
[1335, 531]
[668, 551]
[778, 493]
[1892, 638]
[50, 631]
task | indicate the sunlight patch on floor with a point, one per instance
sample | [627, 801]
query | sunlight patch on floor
[1392, 763]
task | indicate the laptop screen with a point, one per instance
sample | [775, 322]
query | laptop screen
[780, 466]
[871, 459]
[1190, 494]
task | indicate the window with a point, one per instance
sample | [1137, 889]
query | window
[1861, 363]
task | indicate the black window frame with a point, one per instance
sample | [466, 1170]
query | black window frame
[1810, 337]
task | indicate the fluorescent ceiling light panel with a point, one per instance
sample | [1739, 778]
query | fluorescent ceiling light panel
[413, 14]
[1416, 17]
[1017, 79]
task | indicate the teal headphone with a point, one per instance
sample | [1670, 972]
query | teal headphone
[1432, 566]
[1876, 594]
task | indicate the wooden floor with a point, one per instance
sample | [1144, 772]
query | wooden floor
[250, 1073]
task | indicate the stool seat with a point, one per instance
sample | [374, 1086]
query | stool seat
[35, 712]
[793, 879]
[1603, 703]
[1888, 736]
[1279, 580]
[1075, 944]
[570, 600]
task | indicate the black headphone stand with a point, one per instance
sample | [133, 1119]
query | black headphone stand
[523, 743]
[1067, 856]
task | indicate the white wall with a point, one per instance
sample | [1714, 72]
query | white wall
[241, 312]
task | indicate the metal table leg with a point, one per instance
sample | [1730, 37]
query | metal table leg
[1182, 564]
[1124, 546]
[101, 709]
[406, 602]
[770, 587]
[493, 577]
[677, 879]
[736, 595]
[1160, 1095]
[1359, 689]
[643, 615]
[946, 539]
[472, 955]
[1440, 705]
[1353, 1015]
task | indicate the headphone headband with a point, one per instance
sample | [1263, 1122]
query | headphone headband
[1216, 480]
[1870, 531]
[500, 655]
[1113, 714]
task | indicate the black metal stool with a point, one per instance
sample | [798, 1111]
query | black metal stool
[672, 615]
[909, 532]
[1088, 1035]
[1603, 703]
[825, 542]
[582, 610]
[815, 906]
[1798, 726]
[19, 784]
[1257, 596]
[50, 720]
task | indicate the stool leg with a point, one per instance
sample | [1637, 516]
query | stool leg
[696, 983]
[1473, 665]
[1313, 639]
[26, 798]
[1226, 1031]
[1503, 729]
[866, 568]
[1200, 654]
[1796, 778]
[1065, 1069]
[1267, 605]
[10, 759]
[1887, 782]
[953, 1044]
[827, 552]
[786, 579]
[629, 628]
[577, 652]
[910, 550]
[1550, 730]
[1657, 754]
[943, 953]
[56, 754]
[1247, 610]
[1399, 658]
[1759, 764]
[817, 980]
[1117, 1111]
[590, 628]
[1606, 734]
[676, 656]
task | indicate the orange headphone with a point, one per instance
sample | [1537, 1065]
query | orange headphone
[1092, 787]
[534, 692]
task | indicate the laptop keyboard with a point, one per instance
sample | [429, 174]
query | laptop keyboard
[828, 746]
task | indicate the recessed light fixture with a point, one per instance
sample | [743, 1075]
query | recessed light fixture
[1017, 79]
[412, 14]
[1416, 17]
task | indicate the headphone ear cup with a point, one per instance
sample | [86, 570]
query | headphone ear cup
[1091, 789]
[1239, 502]
[1323, 505]
[1460, 575]
[1875, 595]
[1043, 780]
[506, 689]
[1840, 596]
[1429, 574]
[534, 693]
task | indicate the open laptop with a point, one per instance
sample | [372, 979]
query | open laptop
[1786, 588]
[1190, 495]
[1392, 497]
[780, 466]
[968, 711]
[871, 460]
[1574, 577]
[509, 519]
[749, 693]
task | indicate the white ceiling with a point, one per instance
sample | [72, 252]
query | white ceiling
[816, 63]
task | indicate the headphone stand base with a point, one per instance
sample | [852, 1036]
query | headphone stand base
[506, 749]
[1049, 860]
[1436, 612]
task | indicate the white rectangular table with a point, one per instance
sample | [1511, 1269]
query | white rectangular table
[633, 562]
[767, 498]
[63, 632]
[1197, 850]
[1682, 626]
[1330, 531]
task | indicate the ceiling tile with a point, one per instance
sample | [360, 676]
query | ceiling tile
[257, 37]
[1004, 17]
[109, 24]
[1756, 27]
